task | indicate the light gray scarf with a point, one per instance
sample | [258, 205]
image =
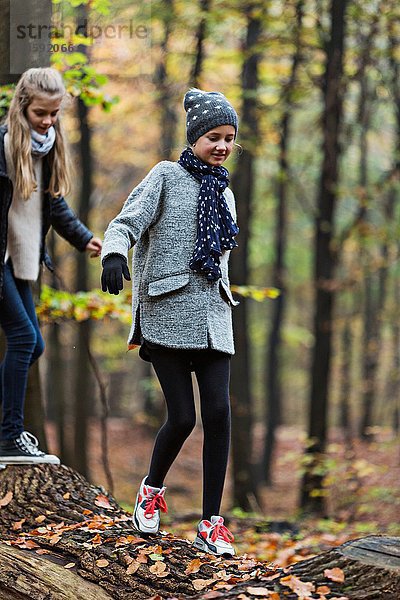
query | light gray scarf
[42, 144]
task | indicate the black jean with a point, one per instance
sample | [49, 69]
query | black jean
[212, 369]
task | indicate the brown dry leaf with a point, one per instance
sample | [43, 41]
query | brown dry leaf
[247, 565]
[102, 562]
[69, 566]
[243, 597]
[257, 591]
[6, 499]
[30, 544]
[55, 539]
[159, 568]
[87, 512]
[42, 551]
[303, 589]
[40, 518]
[212, 594]
[323, 589]
[133, 567]
[103, 502]
[335, 574]
[142, 558]
[193, 566]
[67, 496]
[18, 524]
[200, 584]
[133, 539]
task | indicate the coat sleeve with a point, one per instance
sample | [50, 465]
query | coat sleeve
[139, 211]
[67, 224]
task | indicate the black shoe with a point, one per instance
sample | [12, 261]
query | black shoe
[24, 450]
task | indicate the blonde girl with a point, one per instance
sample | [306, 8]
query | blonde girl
[34, 177]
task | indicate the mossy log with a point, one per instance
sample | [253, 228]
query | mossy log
[62, 538]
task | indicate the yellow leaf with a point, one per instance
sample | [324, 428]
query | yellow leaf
[6, 499]
[102, 562]
[69, 566]
[335, 574]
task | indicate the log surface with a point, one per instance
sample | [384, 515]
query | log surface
[65, 538]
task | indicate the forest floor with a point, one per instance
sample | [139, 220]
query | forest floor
[362, 486]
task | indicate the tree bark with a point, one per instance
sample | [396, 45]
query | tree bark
[83, 386]
[62, 538]
[244, 485]
[312, 498]
[273, 384]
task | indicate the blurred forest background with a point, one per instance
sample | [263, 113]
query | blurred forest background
[316, 377]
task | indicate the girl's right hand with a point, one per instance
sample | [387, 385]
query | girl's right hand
[114, 266]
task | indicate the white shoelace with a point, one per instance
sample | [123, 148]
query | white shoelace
[30, 443]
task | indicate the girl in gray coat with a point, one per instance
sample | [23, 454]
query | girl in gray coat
[181, 221]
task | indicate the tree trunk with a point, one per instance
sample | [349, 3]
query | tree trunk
[200, 37]
[244, 485]
[273, 384]
[312, 498]
[64, 538]
[166, 105]
[83, 386]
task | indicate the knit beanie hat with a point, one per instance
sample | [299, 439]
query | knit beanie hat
[206, 110]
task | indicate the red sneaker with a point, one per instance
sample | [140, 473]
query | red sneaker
[214, 537]
[149, 502]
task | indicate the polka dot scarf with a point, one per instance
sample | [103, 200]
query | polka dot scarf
[215, 225]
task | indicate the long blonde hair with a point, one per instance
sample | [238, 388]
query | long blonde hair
[32, 83]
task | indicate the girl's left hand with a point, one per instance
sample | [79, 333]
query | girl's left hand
[94, 246]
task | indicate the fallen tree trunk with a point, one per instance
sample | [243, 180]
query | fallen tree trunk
[63, 538]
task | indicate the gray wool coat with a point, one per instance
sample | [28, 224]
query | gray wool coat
[172, 305]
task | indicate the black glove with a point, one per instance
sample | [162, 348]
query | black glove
[114, 266]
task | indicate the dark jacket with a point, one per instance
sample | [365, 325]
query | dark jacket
[56, 213]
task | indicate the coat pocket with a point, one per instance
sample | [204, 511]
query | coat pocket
[171, 283]
[226, 293]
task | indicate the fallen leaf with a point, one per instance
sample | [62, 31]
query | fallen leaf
[142, 558]
[40, 518]
[323, 589]
[200, 584]
[303, 589]
[18, 524]
[42, 551]
[69, 566]
[133, 567]
[156, 557]
[96, 539]
[212, 594]
[193, 566]
[30, 544]
[87, 512]
[102, 562]
[55, 539]
[67, 496]
[335, 574]
[6, 499]
[257, 591]
[159, 568]
[103, 502]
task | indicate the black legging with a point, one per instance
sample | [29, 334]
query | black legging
[173, 369]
